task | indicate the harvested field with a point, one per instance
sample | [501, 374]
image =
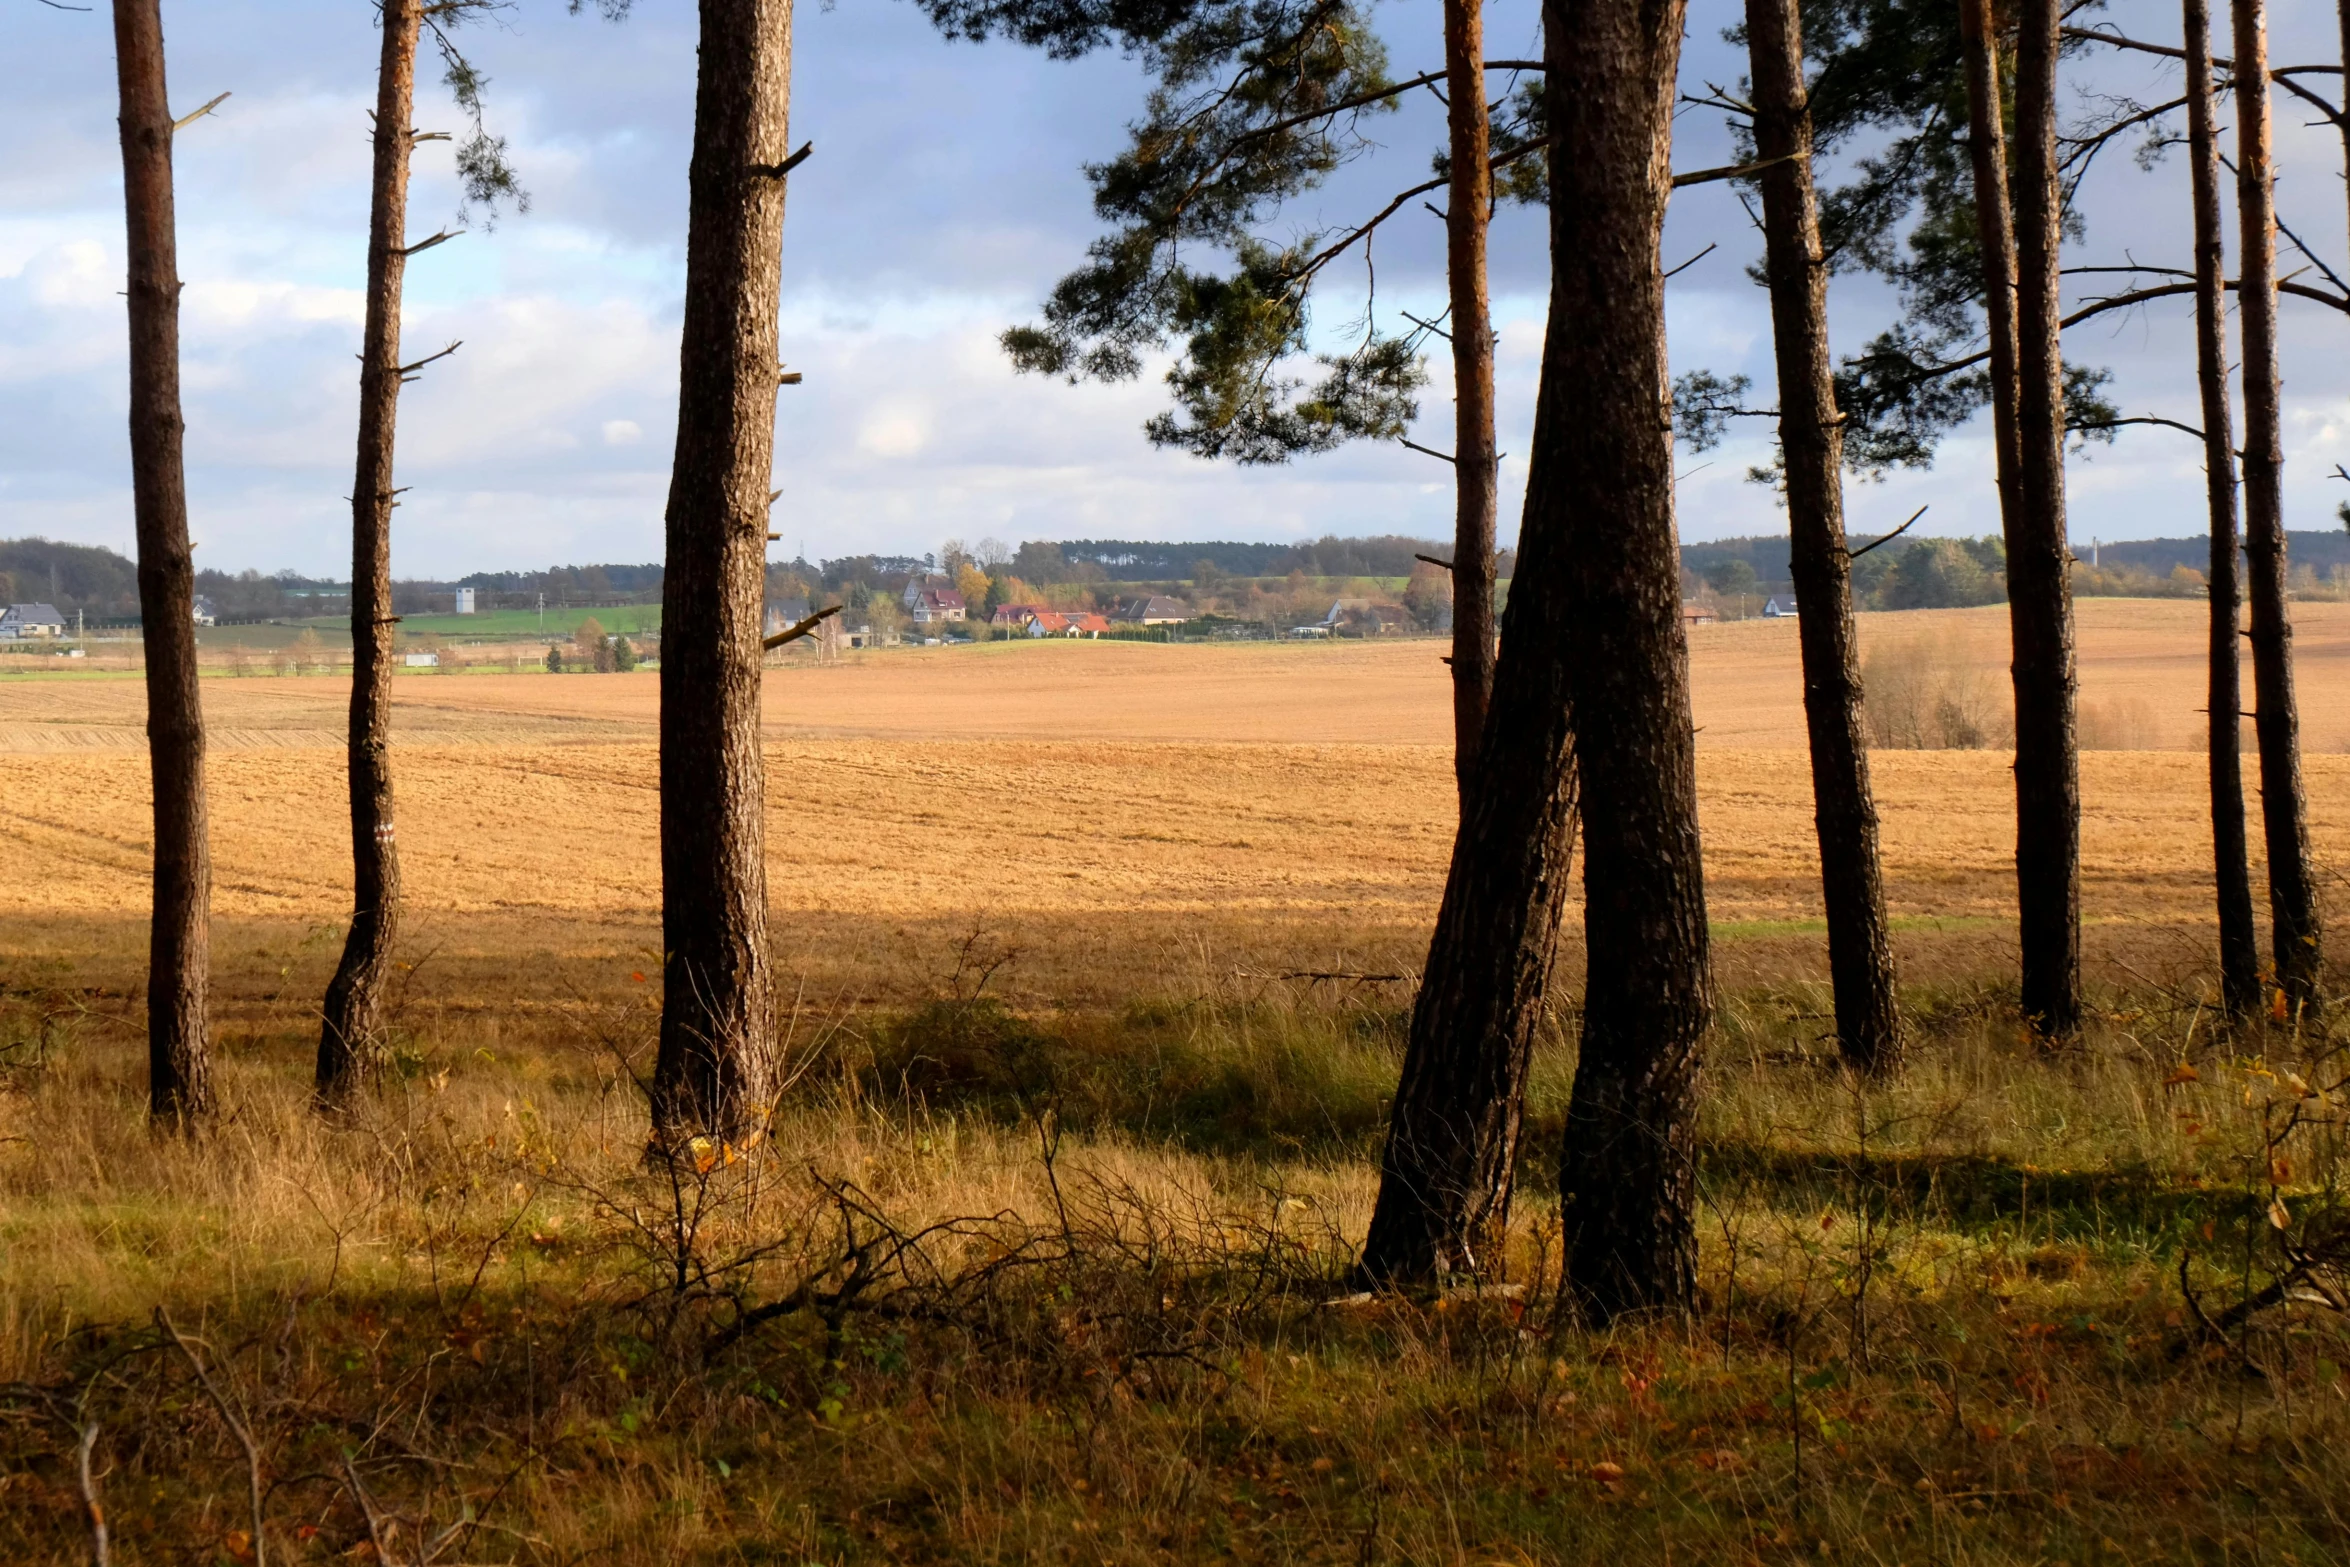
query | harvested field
[1094, 806]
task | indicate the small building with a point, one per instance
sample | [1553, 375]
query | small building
[1153, 611]
[1387, 620]
[1779, 608]
[1696, 614]
[1312, 628]
[465, 601]
[206, 614]
[1088, 624]
[938, 606]
[1048, 623]
[1009, 615]
[18, 621]
[421, 660]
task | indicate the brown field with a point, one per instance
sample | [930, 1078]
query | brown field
[1095, 807]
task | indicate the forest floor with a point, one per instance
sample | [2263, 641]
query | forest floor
[1095, 991]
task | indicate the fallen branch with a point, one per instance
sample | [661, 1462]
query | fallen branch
[236, 1427]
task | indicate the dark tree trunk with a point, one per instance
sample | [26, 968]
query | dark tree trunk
[2342, 122]
[1629, 1173]
[714, 1071]
[179, 1061]
[2276, 720]
[2239, 946]
[1811, 441]
[1452, 1141]
[350, 1039]
[1469, 210]
[2020, 275]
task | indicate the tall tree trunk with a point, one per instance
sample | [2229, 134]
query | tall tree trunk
[179, 1061]
[349, 1041]
[2239, 946]
[1469, 211]
[714, 1072]
[2020, 254]
[1452, 1141]
[1628, 1177]
[2276, 721]
[1811, 443]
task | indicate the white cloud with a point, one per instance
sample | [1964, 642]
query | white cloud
[622, 432]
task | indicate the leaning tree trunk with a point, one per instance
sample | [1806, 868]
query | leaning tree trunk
[1628, 1178]
[2020, 254]
[1452, 1140]
[2239, 945]
[1811, 443]
[1469, 211]
[713, 1071]
[179, 1062]
[349, 1040]
[2276, 721]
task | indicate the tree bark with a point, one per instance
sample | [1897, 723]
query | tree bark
[714, 1072]
[1446, 1171]
[1628, 1175]
[1476, 481]
[1811, 443]
[350, 1038]
[2239, 946]
[2039, 582]
[179, 1062]
[2292, 879]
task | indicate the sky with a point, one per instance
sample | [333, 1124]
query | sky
[945, 196]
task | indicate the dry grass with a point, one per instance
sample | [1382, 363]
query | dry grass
[1943, 1317]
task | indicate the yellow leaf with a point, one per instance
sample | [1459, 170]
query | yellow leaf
[2278, 1214]
[238, 1543]
[2182, 1073]
[2278, 1010]
[705, 1155]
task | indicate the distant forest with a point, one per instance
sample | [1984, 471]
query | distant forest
[1908, 573]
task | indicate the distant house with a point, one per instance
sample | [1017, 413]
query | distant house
[206, 614]
[1153, 611]
[1312, 628]
[1047, 623]
[31, 620]
[1387, 620]
[937, 606]
[1696, 614]
[1009, 615]
[421, 660]
[1779, 608]
[1087, 625]
[917, 586]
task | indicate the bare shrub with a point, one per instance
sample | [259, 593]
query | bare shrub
[2121, 724]
[1933, 693]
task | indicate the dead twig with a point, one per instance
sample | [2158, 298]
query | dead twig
[228, 1415]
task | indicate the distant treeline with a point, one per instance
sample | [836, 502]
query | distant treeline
[1935, 573]
[1938, 573]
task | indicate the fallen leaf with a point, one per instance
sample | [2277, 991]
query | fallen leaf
[2182, 1073]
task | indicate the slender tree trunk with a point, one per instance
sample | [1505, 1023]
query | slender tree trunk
[2239, 946]
[1811, 441]
[2020, 253]
[1629, 1174]
[2342, 122]
[1469, 211]
[1452, 1141]
[714, 1071]
[2276, 720]
[350, 1040]
[179, 1061]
